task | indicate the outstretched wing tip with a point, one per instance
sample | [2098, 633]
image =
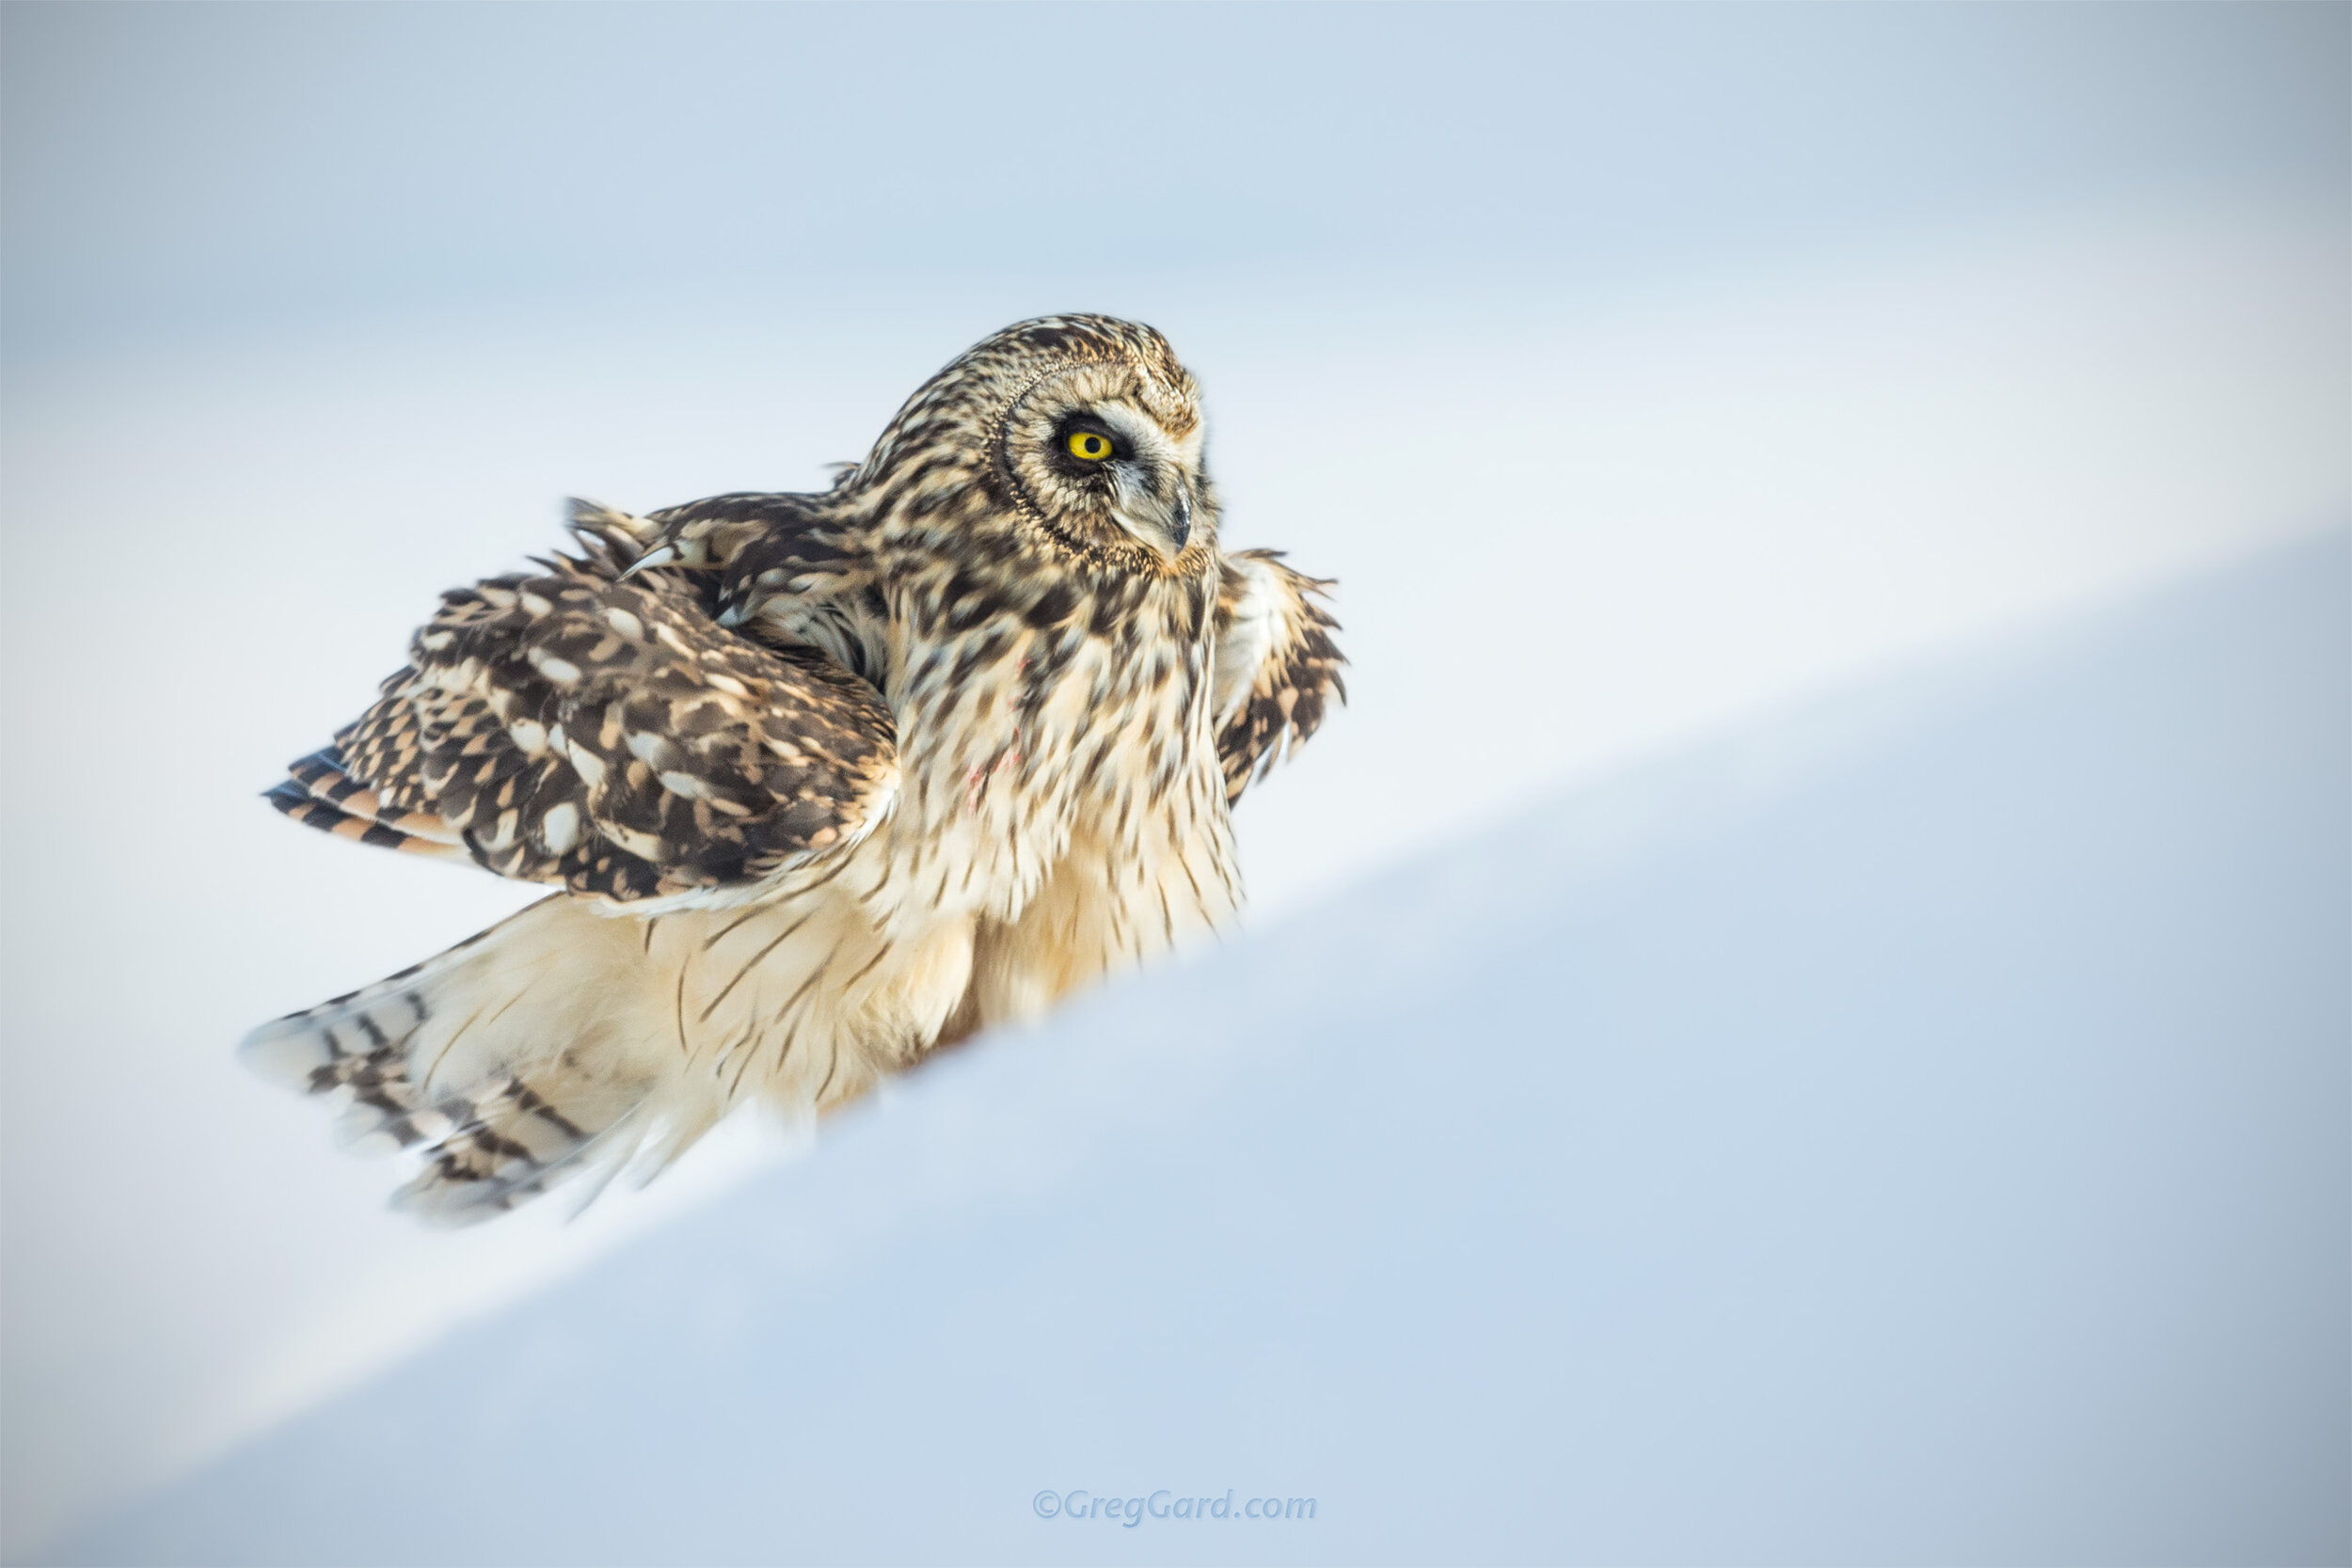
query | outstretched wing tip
[607, 737]
[1276, 664]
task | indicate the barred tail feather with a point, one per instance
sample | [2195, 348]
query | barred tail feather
[510, 1063]
[576, 1037]
[318, 793]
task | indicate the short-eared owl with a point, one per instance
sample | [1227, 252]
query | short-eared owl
[825, 781]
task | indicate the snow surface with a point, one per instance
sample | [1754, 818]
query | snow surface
[1917, 1130]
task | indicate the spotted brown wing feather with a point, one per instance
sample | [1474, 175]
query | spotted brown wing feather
[609, 736]
[781, 560]
[1277, 665]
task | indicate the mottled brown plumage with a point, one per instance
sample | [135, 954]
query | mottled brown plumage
[568, 727]
[828, 780]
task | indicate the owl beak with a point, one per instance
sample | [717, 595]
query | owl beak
[1162, 518]
[1166, 522]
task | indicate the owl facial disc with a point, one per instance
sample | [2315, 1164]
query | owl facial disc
[1109, 458]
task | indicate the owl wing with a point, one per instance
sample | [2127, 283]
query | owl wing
[608, 736]
[1275, 663]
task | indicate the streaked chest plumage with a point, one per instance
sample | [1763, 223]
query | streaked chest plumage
[1064, 735]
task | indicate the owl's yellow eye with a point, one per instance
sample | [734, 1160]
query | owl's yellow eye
[1086, 444]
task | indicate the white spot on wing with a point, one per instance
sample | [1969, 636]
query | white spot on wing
[562, 672]
[560, 829]
[585, 763]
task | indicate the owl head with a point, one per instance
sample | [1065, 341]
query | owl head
[1085, 430]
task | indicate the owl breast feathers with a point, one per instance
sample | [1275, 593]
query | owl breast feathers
[823, 782]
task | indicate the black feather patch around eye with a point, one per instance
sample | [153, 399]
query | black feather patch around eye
[1072, 431]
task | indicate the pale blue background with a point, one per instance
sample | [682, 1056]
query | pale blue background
[171, 166]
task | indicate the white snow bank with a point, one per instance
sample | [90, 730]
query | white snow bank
[1918, 1132]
